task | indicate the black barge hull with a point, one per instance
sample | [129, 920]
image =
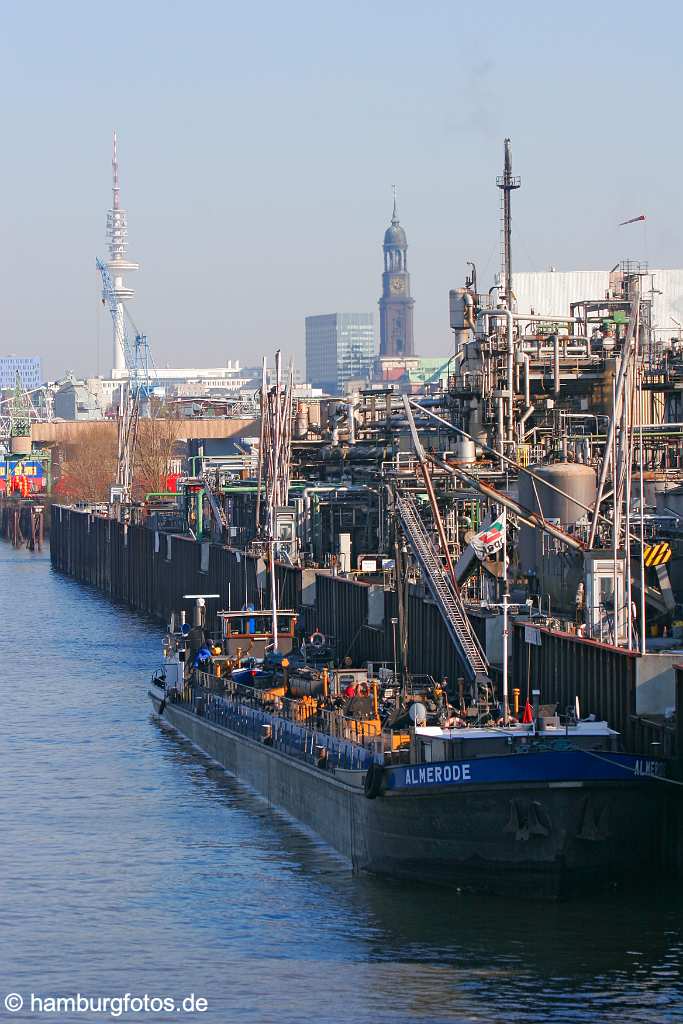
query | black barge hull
[531, 838]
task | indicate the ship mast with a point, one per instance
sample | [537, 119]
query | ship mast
[275, 463]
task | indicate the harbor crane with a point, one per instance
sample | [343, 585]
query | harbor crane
[40, 402]
[136, 387]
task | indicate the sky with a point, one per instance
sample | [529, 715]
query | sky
[258, 145]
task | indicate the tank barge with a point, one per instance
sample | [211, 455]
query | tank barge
[437, 796]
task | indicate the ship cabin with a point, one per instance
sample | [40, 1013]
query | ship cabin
[249, 633]
[434, 743]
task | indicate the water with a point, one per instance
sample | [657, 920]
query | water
[129, 863]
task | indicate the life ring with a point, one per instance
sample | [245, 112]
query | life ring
[372, 783]
[316, 639]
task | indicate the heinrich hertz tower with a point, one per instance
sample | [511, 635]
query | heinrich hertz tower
[117, 231]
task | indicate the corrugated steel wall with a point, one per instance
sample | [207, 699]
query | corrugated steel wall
[552, 292]
[341, 610]
[132, 566]
[564, 667]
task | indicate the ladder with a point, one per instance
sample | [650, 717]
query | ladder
[217, 509]
[445, 595]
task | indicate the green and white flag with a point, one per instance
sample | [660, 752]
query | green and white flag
[491, 539]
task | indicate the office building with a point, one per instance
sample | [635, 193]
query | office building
[340, 347]
[28, 368]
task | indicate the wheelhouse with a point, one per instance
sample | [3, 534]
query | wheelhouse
[251, 631]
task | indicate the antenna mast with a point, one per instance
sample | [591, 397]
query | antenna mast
[507, 183]
[117, 235]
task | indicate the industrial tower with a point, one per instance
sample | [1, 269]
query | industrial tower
[507, 183]
[118, 265]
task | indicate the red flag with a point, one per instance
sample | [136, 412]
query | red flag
[633, 220]
[528, 716]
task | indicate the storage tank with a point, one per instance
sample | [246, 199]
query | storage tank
[465, 451]
[300, 430]
[20, 444]
[475, 425]
[575, 479]
[456, 308]
[458, 301]
[670, 502]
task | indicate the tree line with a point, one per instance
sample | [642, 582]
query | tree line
[88, 467]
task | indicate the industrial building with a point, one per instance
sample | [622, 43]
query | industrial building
[555, 291]
[75, 400]
[223, 378]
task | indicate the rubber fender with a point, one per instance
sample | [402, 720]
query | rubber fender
[162, 705]
[372, 783]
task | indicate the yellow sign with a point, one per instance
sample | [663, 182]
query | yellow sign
[657, 554]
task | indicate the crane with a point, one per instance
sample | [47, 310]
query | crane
[40, 401]
[136, 389]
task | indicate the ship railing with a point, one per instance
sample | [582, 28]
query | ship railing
[304, 730]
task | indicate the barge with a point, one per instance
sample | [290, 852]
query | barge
[511, 808]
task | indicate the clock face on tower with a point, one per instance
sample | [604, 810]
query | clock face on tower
[397, 285]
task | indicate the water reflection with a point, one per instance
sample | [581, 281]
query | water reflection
[132, 863]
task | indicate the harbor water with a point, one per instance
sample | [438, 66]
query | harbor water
[130, 863]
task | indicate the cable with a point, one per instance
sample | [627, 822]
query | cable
[617, 764]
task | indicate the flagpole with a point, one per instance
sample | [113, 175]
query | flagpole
[487, 543]
[506, 711]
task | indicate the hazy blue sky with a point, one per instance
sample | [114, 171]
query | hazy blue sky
[258, 144]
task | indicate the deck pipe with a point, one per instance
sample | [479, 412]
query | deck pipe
[556, 365]
[501, 432]
[529, 411]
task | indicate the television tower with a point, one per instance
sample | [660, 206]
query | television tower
[118, 265]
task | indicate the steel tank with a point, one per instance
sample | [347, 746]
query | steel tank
[456, 308]
[20, 444]
[576, 480]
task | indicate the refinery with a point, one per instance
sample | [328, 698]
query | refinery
[341, 515]
[384, 583]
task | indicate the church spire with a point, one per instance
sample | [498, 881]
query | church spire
[396, 303]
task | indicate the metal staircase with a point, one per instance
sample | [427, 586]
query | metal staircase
[445, 595]
[216, 507]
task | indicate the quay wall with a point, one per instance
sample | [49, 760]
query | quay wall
[16, 521]
[150, 572]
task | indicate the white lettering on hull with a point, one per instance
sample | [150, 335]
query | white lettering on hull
[644, 767]
[437, 775]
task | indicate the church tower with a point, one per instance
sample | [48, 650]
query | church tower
[396, 304]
